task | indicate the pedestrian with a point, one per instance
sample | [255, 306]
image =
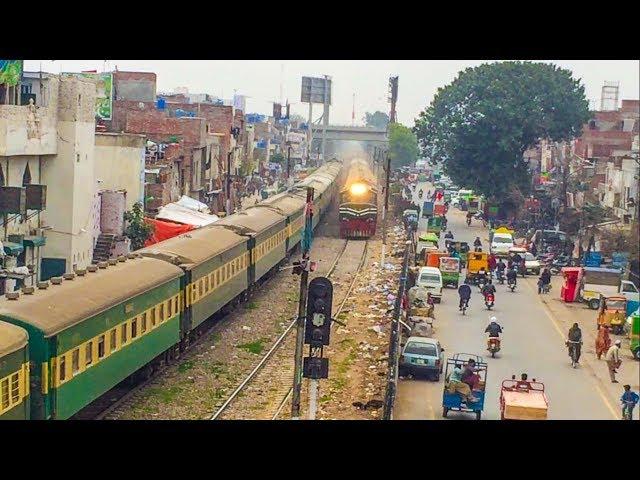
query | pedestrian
[603, 341]
[613, 360]
[492, 263]
[629, 400]
[534, 249]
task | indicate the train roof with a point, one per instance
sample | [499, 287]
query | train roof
[12, 338]
[251, 221]
[287, 203]
[73, 301]
[194, 247]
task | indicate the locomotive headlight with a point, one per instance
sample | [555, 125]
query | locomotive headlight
[358, 189]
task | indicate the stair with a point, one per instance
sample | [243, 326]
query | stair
[103, 248]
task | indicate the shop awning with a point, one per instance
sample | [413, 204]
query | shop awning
[34, 241]
[11, 248]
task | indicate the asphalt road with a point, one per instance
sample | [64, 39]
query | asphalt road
[532, 343]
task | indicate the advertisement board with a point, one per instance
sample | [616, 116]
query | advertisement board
[104, 92]
[313, 90]
[10, 72]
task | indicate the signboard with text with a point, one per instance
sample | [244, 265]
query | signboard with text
[313, 90]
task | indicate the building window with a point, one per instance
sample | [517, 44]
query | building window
[2, 181]
[592, 125]
[26, 176]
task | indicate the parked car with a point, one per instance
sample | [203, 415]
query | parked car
[422, 355]
[431, 279]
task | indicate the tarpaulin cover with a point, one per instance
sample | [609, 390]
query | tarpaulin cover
[165, 230]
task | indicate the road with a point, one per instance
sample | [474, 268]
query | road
[532, 343]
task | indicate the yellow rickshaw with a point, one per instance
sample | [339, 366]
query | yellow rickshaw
[613, 312]
[476, 261]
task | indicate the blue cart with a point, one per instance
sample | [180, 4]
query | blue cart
[453, 401]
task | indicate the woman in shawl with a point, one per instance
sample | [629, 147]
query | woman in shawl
[603, 342]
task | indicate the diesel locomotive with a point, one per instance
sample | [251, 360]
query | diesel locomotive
[358, 201]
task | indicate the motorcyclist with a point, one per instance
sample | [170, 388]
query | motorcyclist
[545, 279]
[574, 340]
[488, 289]
[464, 291]
[493, 329]
[477, 244]
[449, 235]
[420, 193]
[500, 267]
[469, 218]
[512, 275]
[482, 276]
[492, 263]
[517, 261]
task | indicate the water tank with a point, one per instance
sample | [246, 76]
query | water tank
[112, 212]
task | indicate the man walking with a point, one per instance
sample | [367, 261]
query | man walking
[613, 360]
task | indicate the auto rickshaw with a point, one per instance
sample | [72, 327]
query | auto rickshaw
[612, 312]
[476, 261]
[433, 258]
[452, 400]
[450, 270]
[634, 335]
[434, 225]
[461, 247]
[426, 241]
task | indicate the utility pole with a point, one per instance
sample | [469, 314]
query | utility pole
[309, 134]
[393, 88]
[325, 117]
[302, 307]
[288, 164]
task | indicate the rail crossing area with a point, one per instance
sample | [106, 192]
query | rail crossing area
[203, 325]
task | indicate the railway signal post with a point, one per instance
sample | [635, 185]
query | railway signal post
[305, 266]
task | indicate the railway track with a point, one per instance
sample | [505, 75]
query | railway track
[272, 378]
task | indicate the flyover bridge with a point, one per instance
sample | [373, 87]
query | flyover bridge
[369, 136]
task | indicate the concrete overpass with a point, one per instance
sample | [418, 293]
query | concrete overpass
[370, 136]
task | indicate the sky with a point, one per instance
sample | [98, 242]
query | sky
[263, 80]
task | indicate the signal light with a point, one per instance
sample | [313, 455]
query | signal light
[318, 321]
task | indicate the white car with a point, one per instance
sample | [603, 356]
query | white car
[531, 263]
[431, 279]
[501, 243]
[455, 200]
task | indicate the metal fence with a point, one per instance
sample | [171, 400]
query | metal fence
[394, 340]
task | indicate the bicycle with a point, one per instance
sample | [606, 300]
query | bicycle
[573, 352]
[627, 410]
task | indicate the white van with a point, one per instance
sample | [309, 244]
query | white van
[431, 279]
[501, 243]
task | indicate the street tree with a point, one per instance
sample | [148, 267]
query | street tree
[481, 124]
[403, 145]
[376, 119]
[137, 229]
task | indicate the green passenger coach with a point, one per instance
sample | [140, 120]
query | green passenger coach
[88, 333]
[14, 373]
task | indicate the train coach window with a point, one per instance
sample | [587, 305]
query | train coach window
[143, 324]
[75, 361]
[15, 387]
[4, 387]
[233, 267]
[134, 328]
[123, 333]
[113, 341]
[151, 319]
[88, 353]
[206, 284]
[161, 312]
[63, 368]
[101, 346]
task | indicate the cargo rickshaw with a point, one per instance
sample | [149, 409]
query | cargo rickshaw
[612, 312]
[434, 225]
[426, 241]
[523, 399]
[476, 261]
[450, 269]
[410, 218]
[433, 258]
[452, 400]
[461, 247]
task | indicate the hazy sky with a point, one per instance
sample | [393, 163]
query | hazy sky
[261, 80]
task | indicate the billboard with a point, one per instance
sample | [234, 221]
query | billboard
[10, 72]
[104, 92]
[313, 90]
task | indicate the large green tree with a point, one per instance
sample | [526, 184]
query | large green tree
[403, 145]
[481, 124]
[376, 119]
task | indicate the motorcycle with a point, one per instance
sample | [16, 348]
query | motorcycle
[493, 346]
[468, 221]
[500, 277]
[488, 300]
[481, 282]
[573, 352]
[558, 263]
[512, 285]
